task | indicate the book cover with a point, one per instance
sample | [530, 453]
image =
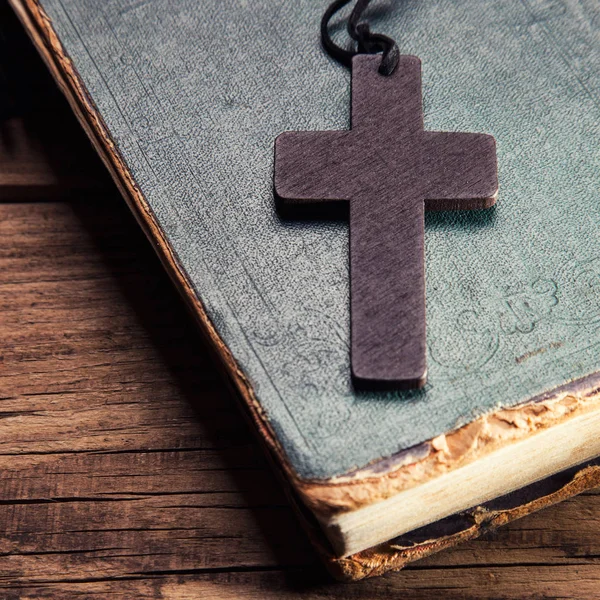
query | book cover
[184, 100]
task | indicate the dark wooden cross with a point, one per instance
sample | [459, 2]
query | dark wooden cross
[390, 170]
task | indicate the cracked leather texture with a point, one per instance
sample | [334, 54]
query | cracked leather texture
[194, 95]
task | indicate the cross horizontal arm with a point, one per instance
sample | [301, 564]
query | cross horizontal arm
[461, 170]
[310, 166]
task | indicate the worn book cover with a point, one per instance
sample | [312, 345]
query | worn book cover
[183, 100]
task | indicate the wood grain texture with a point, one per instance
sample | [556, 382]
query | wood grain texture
[43, 152]
[389, 169]
[125, 467]
[40, 159]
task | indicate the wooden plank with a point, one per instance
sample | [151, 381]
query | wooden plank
[127, 471]
[46, 159]
[488, 583]
[111, 408]
[44, 154]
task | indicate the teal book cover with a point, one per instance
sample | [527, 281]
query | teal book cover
[185, 99]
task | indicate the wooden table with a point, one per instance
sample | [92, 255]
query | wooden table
[126, 470]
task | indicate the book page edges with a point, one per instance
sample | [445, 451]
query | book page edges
[455, 449]
[395, 554]
[369, 484]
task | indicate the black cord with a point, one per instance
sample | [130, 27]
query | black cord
[366, 42]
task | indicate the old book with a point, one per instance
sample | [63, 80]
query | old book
[183, 101]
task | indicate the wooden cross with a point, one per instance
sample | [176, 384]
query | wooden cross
[389, 169]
